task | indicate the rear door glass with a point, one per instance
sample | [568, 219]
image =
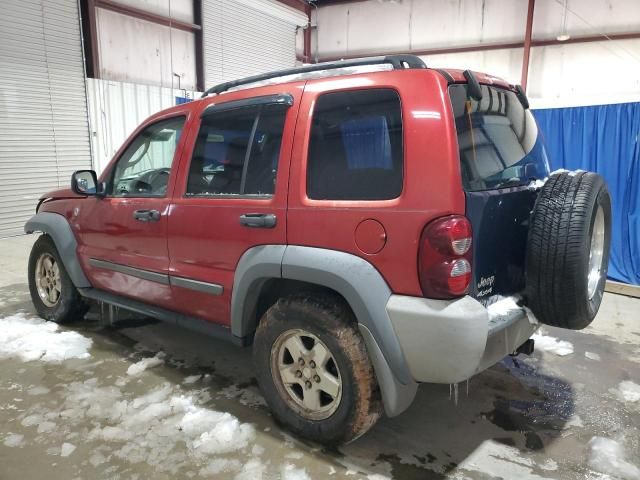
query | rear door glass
[355, 150]
[498, 140]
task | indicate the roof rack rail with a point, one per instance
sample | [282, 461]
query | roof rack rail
[397, 61]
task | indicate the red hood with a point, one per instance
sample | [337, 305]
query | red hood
[60, 194]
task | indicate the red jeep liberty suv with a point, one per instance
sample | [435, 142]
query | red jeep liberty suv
[366, 225]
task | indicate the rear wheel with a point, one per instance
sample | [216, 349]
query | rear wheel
[314, 371]
[568, 249]
[52, 292]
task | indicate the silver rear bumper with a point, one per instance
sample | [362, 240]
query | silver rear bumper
[448, 341]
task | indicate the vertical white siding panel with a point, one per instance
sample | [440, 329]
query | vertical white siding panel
[117, 108]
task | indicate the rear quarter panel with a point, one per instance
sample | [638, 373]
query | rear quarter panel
[431, 179]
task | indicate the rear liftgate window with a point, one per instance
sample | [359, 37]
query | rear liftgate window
[355, 151]
[499, 142]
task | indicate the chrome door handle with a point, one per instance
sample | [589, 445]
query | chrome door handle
[146, 215]
[258, 220]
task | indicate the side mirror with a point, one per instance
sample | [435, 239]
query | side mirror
[85, 182]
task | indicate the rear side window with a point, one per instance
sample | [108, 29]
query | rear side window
[355, 150]
[237, 152]
[498, 140]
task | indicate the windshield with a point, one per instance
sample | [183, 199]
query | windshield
[498, 140]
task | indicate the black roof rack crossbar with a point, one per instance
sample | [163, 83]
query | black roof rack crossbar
[397, 61]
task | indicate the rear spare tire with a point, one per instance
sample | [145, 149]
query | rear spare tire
[568, 249]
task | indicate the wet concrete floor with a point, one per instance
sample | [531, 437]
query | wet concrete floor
[149, 400]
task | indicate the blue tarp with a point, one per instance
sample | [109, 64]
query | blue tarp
[604, 139]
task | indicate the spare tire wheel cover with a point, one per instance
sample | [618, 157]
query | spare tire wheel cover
[568, 249]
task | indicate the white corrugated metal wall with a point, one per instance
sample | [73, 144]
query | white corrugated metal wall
[243, 37]
[44, 132]
[117, 108]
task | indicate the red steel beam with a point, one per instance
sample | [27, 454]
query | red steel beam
[527, 45]
[299, 5]
[148, 16]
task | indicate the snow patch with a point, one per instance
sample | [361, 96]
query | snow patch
[252, 470]
[608, 456]
[151, 425]
[13, 440]
[139, 367]
[574, 421]
[628, 391]
[218, 466]
[29, 338]
[290, 472]
[536, 184]
[549, 344]
[502, 306]
[67, 449]
[592, 356]
[191, 379]
[502, 461]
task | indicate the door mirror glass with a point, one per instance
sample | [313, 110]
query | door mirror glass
[84, 182]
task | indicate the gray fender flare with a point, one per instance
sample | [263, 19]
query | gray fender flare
[58, 228]
[356, 280]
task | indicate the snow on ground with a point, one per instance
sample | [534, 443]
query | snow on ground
[628, 391]
[29, 338]
[157, 426]
[290, 472]
[191, 379]
[139, 367]
[546, 343]
[608, 456]
[13, 440]
[67, 449]
[574, 421]
[497, 460]
[592, 356]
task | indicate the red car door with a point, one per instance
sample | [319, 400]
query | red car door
[123, 235]
[231, 195]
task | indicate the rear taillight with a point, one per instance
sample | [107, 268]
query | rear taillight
[444, 261]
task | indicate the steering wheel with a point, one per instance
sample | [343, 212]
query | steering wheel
[154, 182]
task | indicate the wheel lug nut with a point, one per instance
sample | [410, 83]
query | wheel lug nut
[312, 364]
[301, 362]
[317, 379]
[298, 374]
[308, 384]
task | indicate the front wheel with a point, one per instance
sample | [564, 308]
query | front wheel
[52, 291]
[313, 368]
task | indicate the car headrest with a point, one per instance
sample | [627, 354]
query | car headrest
[236, 151]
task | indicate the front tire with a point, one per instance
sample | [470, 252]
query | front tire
[53, 294]
[314, 371]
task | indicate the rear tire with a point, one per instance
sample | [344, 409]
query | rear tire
[53, 294]
[568, 250]
[318, 326]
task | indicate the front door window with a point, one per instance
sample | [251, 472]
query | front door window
[143, 169]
